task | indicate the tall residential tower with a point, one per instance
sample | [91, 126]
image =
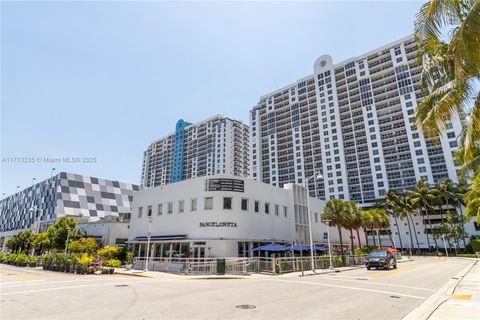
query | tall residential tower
[354, 122]
[215, 146]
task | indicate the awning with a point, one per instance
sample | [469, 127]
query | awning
[298, 247]
[273, 247]
[156, 238]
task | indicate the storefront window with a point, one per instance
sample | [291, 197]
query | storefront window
[208, 203]
[245, 204]
[257, 206]
[267, 208]
[227, 203]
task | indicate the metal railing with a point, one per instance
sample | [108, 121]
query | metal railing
[177, 265]
[270, 265]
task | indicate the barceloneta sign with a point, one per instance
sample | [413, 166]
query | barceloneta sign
[218, 224]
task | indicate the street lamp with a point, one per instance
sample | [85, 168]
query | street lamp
[316, 176]
[327, 222]
[34, 210]
[149, 235]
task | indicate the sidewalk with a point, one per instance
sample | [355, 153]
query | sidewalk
[464, 303]
[459, 298]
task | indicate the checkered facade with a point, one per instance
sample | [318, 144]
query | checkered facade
[66, 194]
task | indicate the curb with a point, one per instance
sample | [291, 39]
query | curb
[132, 274]
[429, 305]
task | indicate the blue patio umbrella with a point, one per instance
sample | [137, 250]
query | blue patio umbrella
[273, 247]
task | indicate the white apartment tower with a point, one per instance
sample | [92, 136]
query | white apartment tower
[353, 121]
[217, 145]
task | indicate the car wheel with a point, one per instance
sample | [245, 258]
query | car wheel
[395, 266]
[368, 268]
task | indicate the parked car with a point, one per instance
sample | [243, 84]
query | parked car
[381, 259]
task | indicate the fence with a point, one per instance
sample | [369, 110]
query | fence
[208, 266]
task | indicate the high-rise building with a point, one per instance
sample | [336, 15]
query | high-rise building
[354, 122]
[217, 145]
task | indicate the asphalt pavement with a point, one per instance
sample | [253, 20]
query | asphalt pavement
[356, 294]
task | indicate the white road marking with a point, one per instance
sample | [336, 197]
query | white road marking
[69, 287]
[356, 288]
[24, 283]
[380, 284]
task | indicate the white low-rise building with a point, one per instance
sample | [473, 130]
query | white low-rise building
[224, 216]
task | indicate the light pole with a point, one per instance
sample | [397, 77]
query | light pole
[315, 176]
[445, 245]
[327, 222]
[36, 221]
[149, 235]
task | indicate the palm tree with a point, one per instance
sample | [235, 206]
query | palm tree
[459, 199]
[405, 203]
[335, 211]
[444, 190]
[392, 203]
[352, 221]
[450, 68]
[422, 199]
[473, 200]
[376, 218]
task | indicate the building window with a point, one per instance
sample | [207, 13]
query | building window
[267, 208]
[140, 209]
[257, 206]
[227, 203]
[170, 208]
[244, 204]
[208, 203]
[149, 211]
[159, 209]
[181, 206]
[277, 210]
[193, 204]
[285, 212]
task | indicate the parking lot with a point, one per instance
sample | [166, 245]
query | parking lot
[356, 294]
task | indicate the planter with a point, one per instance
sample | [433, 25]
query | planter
[90, 270]
[111, 270]
[32, 265]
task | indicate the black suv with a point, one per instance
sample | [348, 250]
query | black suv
[381, 259]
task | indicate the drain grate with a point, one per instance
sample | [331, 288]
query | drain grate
[395, 297]
[245, 306]
[121, 285]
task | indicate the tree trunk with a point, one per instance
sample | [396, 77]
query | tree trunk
[365, 230]
[410, 233]
[463, 227]
[398, 230]
[358, 238]
[351, 242]
[391, 239]
[373, 237]
[341, 239]
[414, 232]
[379, 240]
[431, 229]
[426, 233]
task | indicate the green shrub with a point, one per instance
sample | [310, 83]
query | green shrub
[467, 255]
[475, 245]
[114, 263]
[109, 252]
[365, 250]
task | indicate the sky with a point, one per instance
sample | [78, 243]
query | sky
[87, 86]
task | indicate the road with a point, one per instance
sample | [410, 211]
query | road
[356, 294]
